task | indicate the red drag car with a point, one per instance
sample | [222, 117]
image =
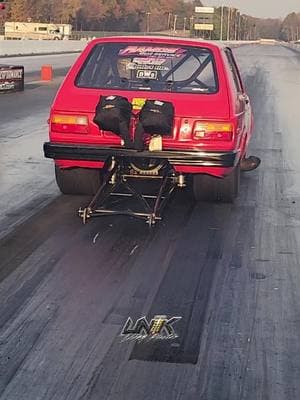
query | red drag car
[212, 121]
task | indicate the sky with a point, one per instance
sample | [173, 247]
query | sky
[260, 8]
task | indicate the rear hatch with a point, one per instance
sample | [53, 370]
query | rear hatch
[187, 76]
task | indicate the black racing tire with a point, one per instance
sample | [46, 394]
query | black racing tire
[84, 181]
[212, 189]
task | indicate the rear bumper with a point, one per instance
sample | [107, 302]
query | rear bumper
[62, 151]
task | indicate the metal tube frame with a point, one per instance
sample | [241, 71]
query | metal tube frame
[115, 177]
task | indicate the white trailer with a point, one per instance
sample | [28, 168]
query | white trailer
[36, 30]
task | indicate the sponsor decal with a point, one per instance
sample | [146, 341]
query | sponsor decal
[7, 86]
[152, 51]
[159, 328]
[149, 61]
[137, 103]
[152, 67]
[11, 74]
[11, 78]
[141, 74]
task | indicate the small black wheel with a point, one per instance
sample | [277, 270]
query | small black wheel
[78, 180]
[210, 188]
[147, 166]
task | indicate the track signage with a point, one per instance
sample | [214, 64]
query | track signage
[11, 78]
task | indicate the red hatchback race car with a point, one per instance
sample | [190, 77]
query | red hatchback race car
[170, 108]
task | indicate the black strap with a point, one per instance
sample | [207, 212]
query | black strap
[139, 137]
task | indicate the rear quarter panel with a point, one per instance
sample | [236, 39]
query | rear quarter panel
[240, 112]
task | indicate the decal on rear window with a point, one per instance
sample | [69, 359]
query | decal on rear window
[155, 64]
[146, 74]
[152, 51]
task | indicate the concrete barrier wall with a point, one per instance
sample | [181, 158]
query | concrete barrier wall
[238, 43]
[293, 46]
[29, 47]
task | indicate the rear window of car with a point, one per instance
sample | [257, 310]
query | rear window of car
[150, 67]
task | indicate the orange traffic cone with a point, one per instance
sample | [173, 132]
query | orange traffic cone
[47, 73]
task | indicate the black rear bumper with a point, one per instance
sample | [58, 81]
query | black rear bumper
[62, 151]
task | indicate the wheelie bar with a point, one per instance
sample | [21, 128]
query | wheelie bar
[117, 183]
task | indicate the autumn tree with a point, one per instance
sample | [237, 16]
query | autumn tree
[18, 10]
[290, 29]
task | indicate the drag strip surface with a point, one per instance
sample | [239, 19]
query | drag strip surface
[26, 178]
[32, 64]
[231, 272]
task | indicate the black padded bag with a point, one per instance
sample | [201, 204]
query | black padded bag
[157, 117]
[113, 114]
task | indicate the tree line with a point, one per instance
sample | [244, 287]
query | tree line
[105, 15]
[290, 28]
[151, 15]
[287, 29]
[230, 24]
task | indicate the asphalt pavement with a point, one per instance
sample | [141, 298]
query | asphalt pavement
[230, 271]
[26, 178]
[32, 64]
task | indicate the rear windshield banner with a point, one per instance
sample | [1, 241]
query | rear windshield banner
[151, 51]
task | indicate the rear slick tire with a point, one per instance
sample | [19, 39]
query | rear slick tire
[80, 181]
[212, 189]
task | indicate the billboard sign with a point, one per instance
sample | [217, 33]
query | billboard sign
[204, 27]
[11, 78]
[204, 10]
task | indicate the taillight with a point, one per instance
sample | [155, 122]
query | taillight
[69, 123]
[216, 131]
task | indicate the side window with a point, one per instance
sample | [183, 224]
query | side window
[234, 71]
